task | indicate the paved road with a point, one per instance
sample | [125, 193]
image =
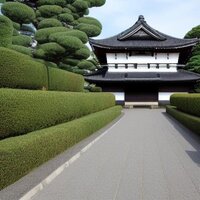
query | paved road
[145, 156]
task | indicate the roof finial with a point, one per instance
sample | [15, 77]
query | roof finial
[141, 18]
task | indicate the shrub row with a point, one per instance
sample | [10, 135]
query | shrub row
[190, 121]
[21, 71]
[188, 103]
[37, 147]
[23, 111]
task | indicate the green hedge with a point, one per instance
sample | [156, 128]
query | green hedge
[82, 53]
[51, 2]
[22, 111]
[90, 29]
[20, 71]
[50, 10]
[90, 20]
[6, 31]
[18, 12]
[22, 40]
[22, 49]
[66, 17]
[20, 155]
[60, 80]
[46, 23]
[190, 121]
[188, 103]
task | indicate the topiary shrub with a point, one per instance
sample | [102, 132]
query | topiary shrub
[60, 80]
[95, 3]
[71, 61]
[6, 31]
[86, 65]
[49, 10]
[76, 33]
[46, 23]
[188, 103]
[96, 89]
[34, 110]
[194, 33]
[20, 71]
[90, 21]
[42, 35]
[70, 43]
[82, 53]
[52, 51]
[80, 5]
[66, 17]
[89, 29]
[22, 40]
[51, 2]
[16, 26]
[18, 12]
[22, 49]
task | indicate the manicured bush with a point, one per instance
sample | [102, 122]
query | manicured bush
[6, 31]
[70, 43]
[22, 40]
[51, 2]
[82, 53]
[20, 71]
[66, 17]
[86, 65]
[37, 147]
[66, 10]
[90, 20]
[76, 33]
[16, 26]
[18, 12]
[194, 33]
[42, 35]
[22, 49]
[60, 80]
[95, 3]
[50, 10]
[188, 103]
[190, 121]
[52, 51]
[46, 23]
[22, 111]
[71, 61]
[80, 5]
[96, 89]
[89, 29]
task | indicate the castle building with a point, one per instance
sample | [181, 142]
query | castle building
[142, 65]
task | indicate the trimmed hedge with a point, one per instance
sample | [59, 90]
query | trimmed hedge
[42, 35]
[18, 12]
[51, 2]
[20, 71]
[60, 80]
[90, 20]
[46, 23]
[23, 111]
[82, 53]
[86, 65]
[50, 10]
[80, 5]
[95, 3]
[20, 155]
[22, 49]
[6, 31]
[66, 17]
[90, 29]
[188, 103]
[22, 40]
[190, 121]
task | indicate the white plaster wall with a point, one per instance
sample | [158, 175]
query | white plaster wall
[159, 58]
[165, 96]
[119, 96]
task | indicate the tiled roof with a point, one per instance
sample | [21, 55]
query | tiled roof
[142, 36]
[180, 75]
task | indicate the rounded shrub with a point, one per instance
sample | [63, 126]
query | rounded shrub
[50, 10]
[82, 53]
[22, 40]
[96, 89]
[21, 71]
[51, 2]
[76, 33]
[66, 10]
[18, 12]
[46, 23]
[89, 29]
[22, 49]
[80, 5]
[71, 61]
[16, 26]
[90, 20]
[52, 50]
[194, 33]
[42, 35]
[70, 43]
[95, 3]
[66, 17]
[6, 31]
[86, 65]
[72, 8]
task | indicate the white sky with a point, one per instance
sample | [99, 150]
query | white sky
[173, 17]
